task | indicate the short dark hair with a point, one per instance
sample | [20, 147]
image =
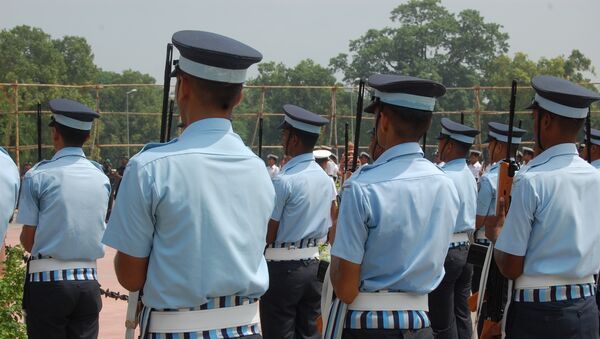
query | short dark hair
[463, 147]
[570, 125]
[308, 140]
[71, 136]
[410, 123]
[216, 93]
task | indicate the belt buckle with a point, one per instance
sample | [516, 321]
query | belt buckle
[291, 247]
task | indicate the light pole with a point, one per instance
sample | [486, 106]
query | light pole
[127, 114]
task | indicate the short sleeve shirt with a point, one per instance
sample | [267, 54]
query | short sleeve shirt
[304, 193]
[9, 186]
[65, 199]
[553, 215]
[198, 207]
[396, 218]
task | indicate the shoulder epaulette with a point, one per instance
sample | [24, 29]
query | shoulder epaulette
[152, 145]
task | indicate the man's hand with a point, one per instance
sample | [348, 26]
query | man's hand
[493, 230]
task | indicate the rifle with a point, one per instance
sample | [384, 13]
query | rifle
[462, 118]
[497, 283]
[260, 136]
[170, 119]
[508, 168]
[359, 110]
[166, 90]
[588, 136]
[39, 131]
[425, 142]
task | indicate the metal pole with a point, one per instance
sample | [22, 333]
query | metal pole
[127, 115]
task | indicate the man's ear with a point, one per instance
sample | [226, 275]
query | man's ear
[239, 98]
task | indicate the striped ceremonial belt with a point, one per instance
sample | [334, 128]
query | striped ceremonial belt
[547, 288]
[223, 317]
[50, 269]
[300, 250]
[459, 239]
[390, 309]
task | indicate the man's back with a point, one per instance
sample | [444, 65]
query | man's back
[401, 208]
[209, 199]
[9, 186]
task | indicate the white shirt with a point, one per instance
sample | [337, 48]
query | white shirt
[273, 170]
[475, 169]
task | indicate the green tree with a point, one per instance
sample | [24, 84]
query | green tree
[305, 73]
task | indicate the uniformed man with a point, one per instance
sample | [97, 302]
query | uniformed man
[9, 186]
[549, 242]
[396, 219]
[272, 167]
[528, 155]
[595, 142]
[448, 309]
[486, 197]
[62, 208]
[189, 223]
[474, 164]
[364, 158]
[301, 219]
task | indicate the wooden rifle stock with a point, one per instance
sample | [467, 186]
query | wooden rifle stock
[507, 169]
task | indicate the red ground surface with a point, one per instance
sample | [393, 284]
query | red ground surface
[112, 317]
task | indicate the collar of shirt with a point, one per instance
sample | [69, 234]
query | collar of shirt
[460, 162]
[67, 151]
[297, 160]
[409, 148]
[210, 124]
[556, 150]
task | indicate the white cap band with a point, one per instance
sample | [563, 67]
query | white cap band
[556, 108]
[73, 123]
[407, 100]
[232, 76]
[303, 126]
[504, 138]
[459, 137]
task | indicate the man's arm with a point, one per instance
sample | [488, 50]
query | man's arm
[334, 216]
[27, 237]
[272, 229]
[131, 271]
[345, 278]
[511, 266]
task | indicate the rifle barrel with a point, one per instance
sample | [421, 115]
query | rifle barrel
[359, 110]
[260, 136]
[166, 90]
[39, 131]
[170, 119]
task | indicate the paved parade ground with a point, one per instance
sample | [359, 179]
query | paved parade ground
[112, 317]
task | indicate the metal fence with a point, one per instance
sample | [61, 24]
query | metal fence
[131, 115]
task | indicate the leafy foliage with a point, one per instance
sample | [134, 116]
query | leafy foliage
[11, 294]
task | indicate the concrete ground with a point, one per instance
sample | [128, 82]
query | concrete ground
[112, 316]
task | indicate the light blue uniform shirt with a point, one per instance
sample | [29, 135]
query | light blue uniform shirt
[553, 215]
[66, 199]
[395, 220]
[9, 190]
[596, 163]
[466, 186]
[198, 207]
[303, 200]
[486, 197]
